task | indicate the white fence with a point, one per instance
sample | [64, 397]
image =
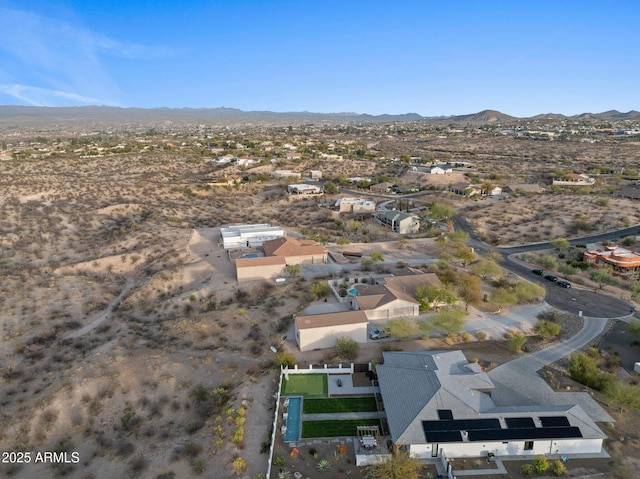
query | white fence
[318, 369]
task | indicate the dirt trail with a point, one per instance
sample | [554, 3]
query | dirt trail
[104, 315]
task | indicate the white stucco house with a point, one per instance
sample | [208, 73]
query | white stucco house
[438, 403]
[440, 169]
[320, 331]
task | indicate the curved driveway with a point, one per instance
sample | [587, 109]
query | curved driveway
[517, 382]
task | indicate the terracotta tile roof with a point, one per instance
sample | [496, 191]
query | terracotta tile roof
[292, 247]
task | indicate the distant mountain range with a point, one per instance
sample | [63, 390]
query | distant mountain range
[104, 114]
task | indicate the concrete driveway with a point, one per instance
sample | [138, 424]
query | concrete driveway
[517, 382]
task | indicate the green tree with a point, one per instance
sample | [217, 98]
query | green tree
[441, 211]
[458, 236]
[396, 466]
[486, 268]
[347, 348]
[401, 328]
[330, 187]
[504, 297]
[465, 253]
[603, 276]
[469, 289]
[450, 321]
[526, 292]
[429, 296]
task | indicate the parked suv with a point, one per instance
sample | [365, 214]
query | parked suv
[564, 284]
[551, 277]
[539, 272]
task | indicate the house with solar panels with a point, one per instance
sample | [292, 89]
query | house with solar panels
[437, 403]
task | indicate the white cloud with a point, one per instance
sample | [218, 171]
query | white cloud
[44, 58]
[44, 97]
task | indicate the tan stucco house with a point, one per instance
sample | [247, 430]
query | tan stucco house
[320, 331]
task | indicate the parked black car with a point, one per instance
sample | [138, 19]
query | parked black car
[539, 272]
[551, 277]
[564, 284]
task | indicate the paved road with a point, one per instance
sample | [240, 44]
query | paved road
[572, 300]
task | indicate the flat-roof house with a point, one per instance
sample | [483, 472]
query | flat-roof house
[320, 331]
[437, 403]
[304, 189]
[399, 221]
[255, 269]
[625, 262]
[245, 236]
[574, 179]
[355, 205]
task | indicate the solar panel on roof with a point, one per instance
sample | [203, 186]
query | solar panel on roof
[461, 424]
[525, 433]
[443, 436]
[554, 421]
[445, 414]
[519, 422]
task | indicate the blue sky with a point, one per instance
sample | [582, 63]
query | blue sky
[424, 56]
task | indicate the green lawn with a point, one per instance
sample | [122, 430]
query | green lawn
[307, 385]
[335, 428]
[337, 405]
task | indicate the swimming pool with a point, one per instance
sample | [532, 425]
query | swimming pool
[353, 292]
[294, 419]
[251, 255]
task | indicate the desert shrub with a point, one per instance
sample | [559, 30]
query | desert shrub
[623, 394]
[284, 358]
[347, 347]
[192, 449]
[547, 329]
[526, 469]
[481, 335]
[547, 262]
[558, 468]
[198, 466]
[239, 465]
[515, 341]
[541, 464]
[137, 465]
[208, 401]
[568, 270]
[279, 461]
[319, 289]
[585, 369]
[323, 465]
